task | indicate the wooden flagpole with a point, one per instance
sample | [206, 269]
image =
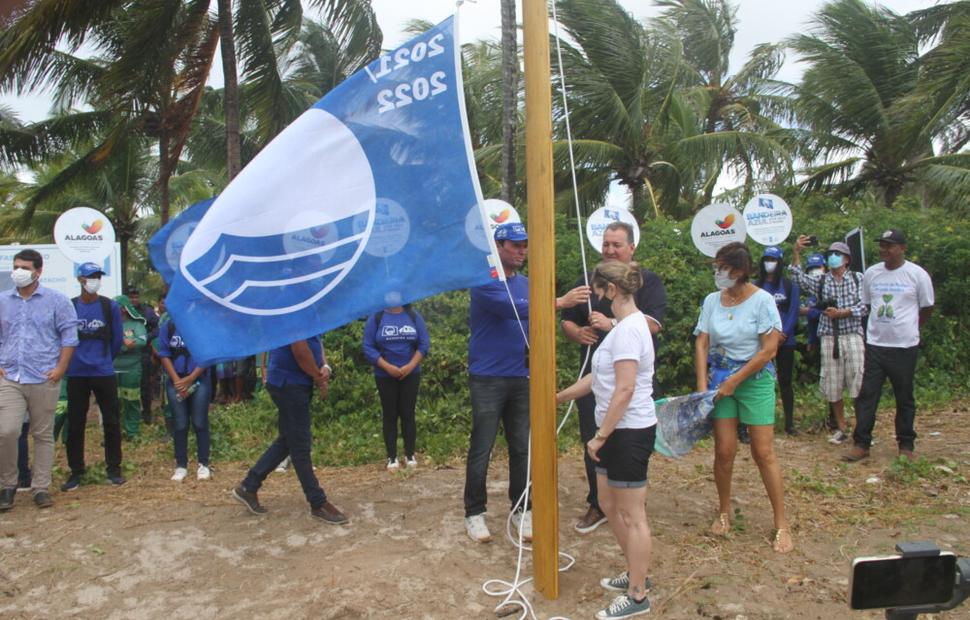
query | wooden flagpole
[542, 295]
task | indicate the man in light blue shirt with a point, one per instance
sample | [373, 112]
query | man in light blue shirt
[38, 334]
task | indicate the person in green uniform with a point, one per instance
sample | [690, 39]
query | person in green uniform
[128, 366]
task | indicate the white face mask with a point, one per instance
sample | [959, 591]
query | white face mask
[722, 280]
[92, 286]
[22, 277]
[770, 266]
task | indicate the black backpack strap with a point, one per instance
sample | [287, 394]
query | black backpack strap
[378, 317]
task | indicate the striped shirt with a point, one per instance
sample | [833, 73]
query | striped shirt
[846, 293]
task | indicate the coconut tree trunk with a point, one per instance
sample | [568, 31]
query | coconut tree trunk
[510, 92]
[230, 89]
[164, 174]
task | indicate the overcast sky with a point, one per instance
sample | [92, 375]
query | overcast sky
[760, 21]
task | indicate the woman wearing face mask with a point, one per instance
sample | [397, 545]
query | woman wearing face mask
[786, 294]
[738, 333]
[622, 383]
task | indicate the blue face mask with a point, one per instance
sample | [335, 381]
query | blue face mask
[835, 260]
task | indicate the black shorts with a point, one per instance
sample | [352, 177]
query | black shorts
[624, 456]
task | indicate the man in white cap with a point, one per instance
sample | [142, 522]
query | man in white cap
[900, 299]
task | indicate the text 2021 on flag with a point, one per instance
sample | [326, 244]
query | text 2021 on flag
[368, 200]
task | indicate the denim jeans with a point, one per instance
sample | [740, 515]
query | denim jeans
[494, 400]
[294, 440]
[195, 408]
[899, 365]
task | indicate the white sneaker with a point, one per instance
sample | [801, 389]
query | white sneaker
[838, 437]
[523, 521]
[203, 473]
[180, 474]
[283, 466]
[392, 465]
[477, 530]
[411, 462]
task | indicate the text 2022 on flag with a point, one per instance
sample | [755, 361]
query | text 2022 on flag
[368, 200]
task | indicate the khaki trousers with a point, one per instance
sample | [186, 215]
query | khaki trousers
[39, 400]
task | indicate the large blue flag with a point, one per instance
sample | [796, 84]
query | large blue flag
[165, 246]
[368, 200]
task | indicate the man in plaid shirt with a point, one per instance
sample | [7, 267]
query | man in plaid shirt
[843, 358]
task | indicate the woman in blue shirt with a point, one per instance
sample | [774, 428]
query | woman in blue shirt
[786, 294]
[738, 333]
[189, 391]
[395, 342]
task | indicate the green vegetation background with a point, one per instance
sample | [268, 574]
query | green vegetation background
[347, 426]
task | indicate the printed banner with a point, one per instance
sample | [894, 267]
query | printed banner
[360, 204]
[767, 219]
[604, 216]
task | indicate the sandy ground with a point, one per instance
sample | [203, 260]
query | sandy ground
[158, 549]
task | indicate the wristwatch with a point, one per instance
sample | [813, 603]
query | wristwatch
[600, 435]
[613, 322]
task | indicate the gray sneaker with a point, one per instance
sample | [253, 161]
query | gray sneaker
[624, 606]
[621, 583]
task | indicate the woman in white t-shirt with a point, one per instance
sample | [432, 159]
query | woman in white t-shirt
[622, 382]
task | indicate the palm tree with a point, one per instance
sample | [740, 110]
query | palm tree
[510, 99]
[745, 101]
[156, 57]
[864, 113]
[632, 121]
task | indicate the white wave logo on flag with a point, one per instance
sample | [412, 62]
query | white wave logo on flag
[277, 261]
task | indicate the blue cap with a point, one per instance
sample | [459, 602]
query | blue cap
[513, 231]
[88, 270]
[773, 251]
[816, 260]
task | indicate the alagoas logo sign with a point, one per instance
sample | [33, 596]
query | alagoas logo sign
[716, 225]
[84, 234]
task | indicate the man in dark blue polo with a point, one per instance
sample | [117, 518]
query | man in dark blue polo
[101, 334]
[292, 374]
[38, 334]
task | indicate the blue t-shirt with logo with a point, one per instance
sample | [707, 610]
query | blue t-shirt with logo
[282, 368]
[396, 339]
[497, 347]
[787, 305]
[92, 358]
[171, 345]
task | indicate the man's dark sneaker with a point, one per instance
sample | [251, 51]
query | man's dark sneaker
[907, 452]
[116, 479]
[856, 453]
[791, 431]
[72, 483]
[329, 513]
[624, 606]
[6, 498]
[248, 499]
[593, 518]
[43, 499]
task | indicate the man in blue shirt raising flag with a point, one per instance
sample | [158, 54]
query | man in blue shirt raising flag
[498, 381]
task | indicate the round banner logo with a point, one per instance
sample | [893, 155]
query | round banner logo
[84, 235]
[716, 225]
[604, 216]
[767, 219]
[497, 212]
